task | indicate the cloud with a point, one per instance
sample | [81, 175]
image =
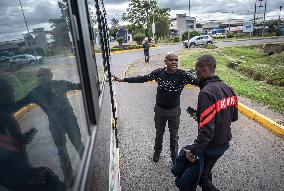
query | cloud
[240, 8]
[37, 14]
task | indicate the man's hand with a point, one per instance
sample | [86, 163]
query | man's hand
[28, 136]
[117, 79]
[189, 156]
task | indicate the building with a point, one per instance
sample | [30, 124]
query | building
[40, 38]
[184, 23]
[13, 45]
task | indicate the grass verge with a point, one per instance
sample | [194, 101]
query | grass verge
[22, 80]
[243, 84]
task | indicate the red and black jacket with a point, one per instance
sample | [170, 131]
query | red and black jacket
[216, 109]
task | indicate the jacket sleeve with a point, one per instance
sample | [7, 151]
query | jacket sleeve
[206, 122]
[235, 113]
[189, 78]
[142, 79]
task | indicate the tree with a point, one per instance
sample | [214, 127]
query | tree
[114, 23]
[161, 18]
[138, 13]
[60, 27]
[139, 37]
[114, 27]
[120, 41]
[272, 25]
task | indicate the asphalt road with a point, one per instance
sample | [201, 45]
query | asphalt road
[253, 162]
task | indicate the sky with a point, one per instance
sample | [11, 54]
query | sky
[205, 9]
[38, 12]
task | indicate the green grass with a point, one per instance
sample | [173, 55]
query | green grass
[243, 84]
[22, 80]
[257, 65]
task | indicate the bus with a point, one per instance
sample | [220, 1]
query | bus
[58, 121]
[217, 32]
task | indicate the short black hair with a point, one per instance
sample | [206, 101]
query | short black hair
[207, 60]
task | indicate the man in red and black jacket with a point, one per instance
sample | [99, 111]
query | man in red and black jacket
[216, 109]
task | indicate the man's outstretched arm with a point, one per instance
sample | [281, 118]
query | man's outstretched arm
[138, 79]
[189, 78]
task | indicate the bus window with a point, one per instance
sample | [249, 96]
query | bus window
[96, 43]
[43, 128]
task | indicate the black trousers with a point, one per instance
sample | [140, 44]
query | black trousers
[162, 116]
[58, 131]
[206, 177]
[147, 57]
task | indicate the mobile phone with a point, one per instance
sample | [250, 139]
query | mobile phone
[31, 132]
[191, 111]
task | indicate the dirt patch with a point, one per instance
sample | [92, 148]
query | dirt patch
[140, 68]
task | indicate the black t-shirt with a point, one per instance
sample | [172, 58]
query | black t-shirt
[169, 85]
[146, 47]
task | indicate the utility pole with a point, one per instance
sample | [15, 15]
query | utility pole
[24, 16]
[279, 19]
[253, 26]
[263, 26]
[186, 24]
[189, 8]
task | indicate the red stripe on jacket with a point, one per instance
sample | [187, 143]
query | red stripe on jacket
[216, 107]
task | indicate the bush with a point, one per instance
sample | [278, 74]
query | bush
[210, 46]
[191, 34]
[176, 39]
[115, 49]
[219, 37]
[139, 37]
[230, 35]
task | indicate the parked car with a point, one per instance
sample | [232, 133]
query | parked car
[5, 55]
[26, 59]
[198, 40]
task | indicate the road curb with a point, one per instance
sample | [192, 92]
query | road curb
[130, 50]
[24, 110]
[261, 119]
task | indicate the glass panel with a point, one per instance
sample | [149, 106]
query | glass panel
[43, 129]
[96, 44]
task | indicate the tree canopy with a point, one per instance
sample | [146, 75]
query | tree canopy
[141, 13]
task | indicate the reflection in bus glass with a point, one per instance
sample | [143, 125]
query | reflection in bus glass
[43, 131]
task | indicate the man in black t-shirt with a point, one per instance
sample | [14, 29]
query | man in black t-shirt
[50, 95]
[171, 82]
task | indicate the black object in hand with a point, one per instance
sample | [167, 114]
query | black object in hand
[28, 136]
[191, 112]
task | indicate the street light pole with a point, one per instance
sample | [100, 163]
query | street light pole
[263, 26]
[253, 26]
[279, 19]
[24, 16]
[186, 24]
